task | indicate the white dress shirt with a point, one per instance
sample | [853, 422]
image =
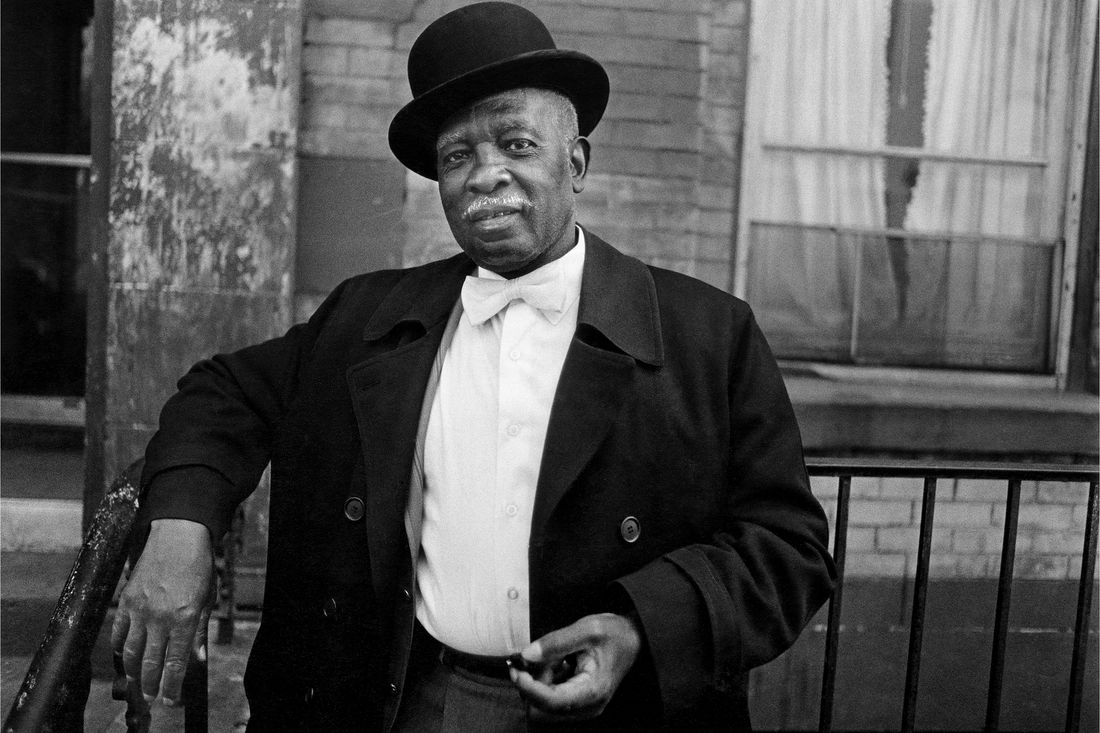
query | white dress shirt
[482, 451]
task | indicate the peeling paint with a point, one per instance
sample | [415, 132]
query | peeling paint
[203, 179]
[202, 194]
[203, 87]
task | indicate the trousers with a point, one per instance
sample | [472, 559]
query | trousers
[443, 698]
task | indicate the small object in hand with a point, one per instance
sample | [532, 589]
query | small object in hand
[518, 663]
[561, 670]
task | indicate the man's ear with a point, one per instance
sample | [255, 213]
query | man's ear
[579, 151]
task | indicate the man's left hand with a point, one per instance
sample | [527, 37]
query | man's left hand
[599, 650]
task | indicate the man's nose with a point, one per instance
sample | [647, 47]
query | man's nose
[490, 170]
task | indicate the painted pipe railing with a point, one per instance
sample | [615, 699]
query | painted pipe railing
[55, 689]
[56, 686]
[931, 473]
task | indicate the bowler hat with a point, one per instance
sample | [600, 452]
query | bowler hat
[479, 50]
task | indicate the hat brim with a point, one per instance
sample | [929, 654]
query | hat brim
[415, 127]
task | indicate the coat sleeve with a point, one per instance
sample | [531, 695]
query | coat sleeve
[712, 611]
[215, 433]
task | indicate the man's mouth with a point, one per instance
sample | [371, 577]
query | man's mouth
[495, 214]
[489, 210]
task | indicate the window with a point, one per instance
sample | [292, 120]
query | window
[45, 140]
[904, 199]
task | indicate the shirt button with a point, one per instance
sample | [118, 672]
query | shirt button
[513, 430]
[511, 510]
[514, 355]
[513, 594]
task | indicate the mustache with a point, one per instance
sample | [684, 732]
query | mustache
[488, 203]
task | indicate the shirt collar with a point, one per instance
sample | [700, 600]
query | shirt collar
[570, 265]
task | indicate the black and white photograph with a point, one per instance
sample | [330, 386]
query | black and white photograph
[579, 366]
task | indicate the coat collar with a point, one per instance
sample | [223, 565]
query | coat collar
[424, 295]
[618, 299]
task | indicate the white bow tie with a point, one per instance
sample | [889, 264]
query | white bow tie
[544, 289]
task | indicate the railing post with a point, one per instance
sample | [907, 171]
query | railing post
[840, 551]
[196, 714]
[227, 590]
[1004, 604]
[1084, 608]
[920, 598]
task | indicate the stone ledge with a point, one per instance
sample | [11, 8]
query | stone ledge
[842, 416]
[40, 525]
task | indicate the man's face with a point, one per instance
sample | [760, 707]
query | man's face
[508, 171]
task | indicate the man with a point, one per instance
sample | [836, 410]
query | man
[539, 446]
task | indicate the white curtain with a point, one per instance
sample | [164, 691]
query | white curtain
[819, 78]
[998, 82]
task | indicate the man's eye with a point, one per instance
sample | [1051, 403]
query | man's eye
[519, 144]
[452, 157]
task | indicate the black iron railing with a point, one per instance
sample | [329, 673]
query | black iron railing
[55, 690]
[56, 687]
[931, 473]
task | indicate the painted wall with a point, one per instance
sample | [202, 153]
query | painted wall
[202, 195]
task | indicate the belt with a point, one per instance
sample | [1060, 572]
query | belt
[486, 666]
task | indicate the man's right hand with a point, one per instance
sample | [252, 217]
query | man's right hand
[162, 605]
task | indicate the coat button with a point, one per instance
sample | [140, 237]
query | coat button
[630, 529]
[353, 509]
[406, 595]
[308, 697]
[329, 609]
[393, 688]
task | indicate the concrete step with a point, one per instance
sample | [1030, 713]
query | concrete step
[42, 472]
[40, 525]
[42, 487]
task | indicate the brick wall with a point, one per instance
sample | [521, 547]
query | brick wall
[884, 521]
[665, 156]
[352, 83]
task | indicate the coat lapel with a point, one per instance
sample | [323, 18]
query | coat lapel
[618, 325]
[387, 390]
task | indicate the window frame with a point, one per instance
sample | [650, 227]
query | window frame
[754, 143]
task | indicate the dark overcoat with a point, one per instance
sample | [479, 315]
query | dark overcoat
[670, 410]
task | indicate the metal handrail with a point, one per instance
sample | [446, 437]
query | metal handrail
[56, 687]
[844, 469]
[893, 468]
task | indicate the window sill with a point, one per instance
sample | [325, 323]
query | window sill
[860, 417]
[53, 411]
